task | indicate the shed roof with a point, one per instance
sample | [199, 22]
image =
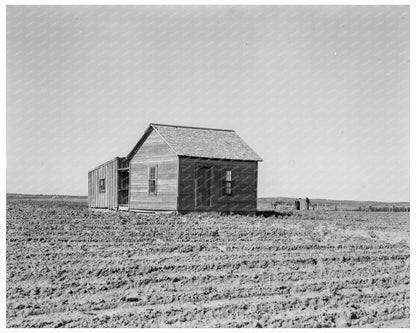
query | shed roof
[202, 142]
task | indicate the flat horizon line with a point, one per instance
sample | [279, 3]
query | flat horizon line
[269, 197]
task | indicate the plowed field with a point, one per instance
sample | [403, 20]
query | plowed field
[67, 267]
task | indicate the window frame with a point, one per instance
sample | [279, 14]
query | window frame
[228, 182]
[149, 179]
[101, 185]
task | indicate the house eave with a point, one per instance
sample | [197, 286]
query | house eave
[222, 159]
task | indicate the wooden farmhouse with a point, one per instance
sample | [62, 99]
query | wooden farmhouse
[181, 169]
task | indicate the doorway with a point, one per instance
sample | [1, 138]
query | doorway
[123, 188]
[203, 186]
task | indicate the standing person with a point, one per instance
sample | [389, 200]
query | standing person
[307, 203]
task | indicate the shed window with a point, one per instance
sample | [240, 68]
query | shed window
[228, 183]
[152, 180]
[102, 185]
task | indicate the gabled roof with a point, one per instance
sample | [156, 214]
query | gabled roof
[201, 142]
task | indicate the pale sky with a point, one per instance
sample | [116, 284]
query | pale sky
[320, 93]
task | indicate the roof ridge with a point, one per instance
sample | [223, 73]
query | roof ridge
[193, 127]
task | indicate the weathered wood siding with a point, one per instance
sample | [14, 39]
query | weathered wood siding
[107, 199]
[244, 177]
[154, 152]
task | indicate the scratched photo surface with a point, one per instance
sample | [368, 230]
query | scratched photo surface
[207, 166]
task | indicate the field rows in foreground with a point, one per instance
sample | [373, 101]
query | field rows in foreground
[67, 267]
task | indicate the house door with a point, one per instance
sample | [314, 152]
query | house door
[203, 186]
[123, 188]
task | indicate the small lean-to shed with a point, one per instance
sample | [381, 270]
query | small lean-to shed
[179, 168]
[102, 186]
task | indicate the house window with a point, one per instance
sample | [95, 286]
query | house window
[152, 180]
[102, 185]
[228, 183]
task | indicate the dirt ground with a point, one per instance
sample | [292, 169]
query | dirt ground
[68, 267]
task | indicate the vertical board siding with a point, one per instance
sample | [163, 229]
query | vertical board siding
[89, 189]
[244, 177]
[154, 151]
[107, 199]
